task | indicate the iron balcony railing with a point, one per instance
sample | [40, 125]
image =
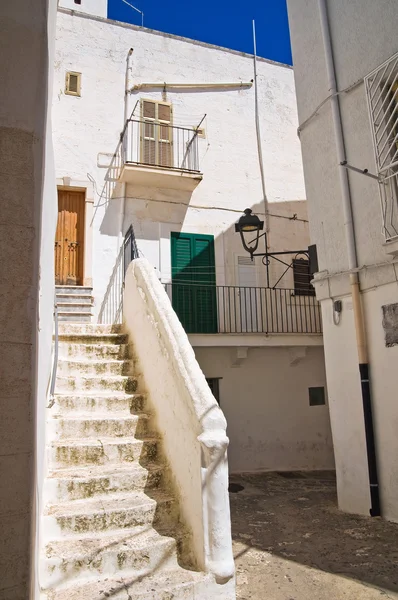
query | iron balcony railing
[232, 309]
[157, 144]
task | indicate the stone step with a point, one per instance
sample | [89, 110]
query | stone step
[92, 329]
[73, 289]
[176, 584]
[75, 367]
[74, 317]
[97, 426]
[76, 483]
[102, 452]
[73, 307]
[108, 383]
[90, 338]
[97, 402]
[75, 298]
[112, 512]
[131, 552]
[94, 351]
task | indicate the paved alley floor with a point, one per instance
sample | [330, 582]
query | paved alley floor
[291, 542]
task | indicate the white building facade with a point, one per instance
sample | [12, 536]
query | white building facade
[158, 133]
[357, 41]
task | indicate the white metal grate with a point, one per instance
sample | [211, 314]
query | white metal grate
[382, 94]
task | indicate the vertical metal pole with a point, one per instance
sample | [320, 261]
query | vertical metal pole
[258, 132]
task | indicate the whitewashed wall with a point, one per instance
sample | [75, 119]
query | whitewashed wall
[87, 126]
[363, 37]
[271, 425]
[27, 230]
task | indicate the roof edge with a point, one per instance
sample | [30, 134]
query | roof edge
[82, 15]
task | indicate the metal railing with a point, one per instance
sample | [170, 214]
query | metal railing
[55, 355]
[232, 309]
[160, 145]
[111, 311]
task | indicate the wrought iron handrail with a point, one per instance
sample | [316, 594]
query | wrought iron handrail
[235, 309]
[55, 357]
[111, 311]
[158, 144]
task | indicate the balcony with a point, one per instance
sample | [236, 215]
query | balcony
[159, 155]
[204, 309]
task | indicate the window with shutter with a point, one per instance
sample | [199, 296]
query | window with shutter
[156, 133]
[194, 281]
[302, 277]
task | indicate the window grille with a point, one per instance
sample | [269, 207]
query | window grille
[382, 94]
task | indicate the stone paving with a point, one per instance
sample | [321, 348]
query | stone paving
[291, 542]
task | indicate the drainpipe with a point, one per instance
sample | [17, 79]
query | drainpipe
[126, 87]
[360, 329]
[125, 117]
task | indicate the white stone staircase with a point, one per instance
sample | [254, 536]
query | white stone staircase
[111, 526]
[74, 303]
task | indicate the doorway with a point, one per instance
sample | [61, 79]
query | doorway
[194, 281]
[69, 239]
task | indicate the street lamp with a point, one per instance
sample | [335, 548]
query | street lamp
[247, 225]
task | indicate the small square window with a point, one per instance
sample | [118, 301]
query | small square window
[317, 396]
[73, 83]
[214, 385]
[78, 1]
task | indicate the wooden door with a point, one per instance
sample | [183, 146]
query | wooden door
[69, 239]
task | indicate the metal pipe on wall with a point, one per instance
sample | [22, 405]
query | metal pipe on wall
[258, 135]
[359, 319]
[239, 84]
[126, 86]
[125, 117]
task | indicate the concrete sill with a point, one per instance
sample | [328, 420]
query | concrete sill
[391, 247]
[160, 177]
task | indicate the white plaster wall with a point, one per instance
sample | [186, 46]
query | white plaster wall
[271, 425]
[91, 124]
[98, 8]
[363, 37]
[28, 213]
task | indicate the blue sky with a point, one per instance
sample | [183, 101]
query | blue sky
[221, 22]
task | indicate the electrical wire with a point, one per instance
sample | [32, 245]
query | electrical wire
[315, 112]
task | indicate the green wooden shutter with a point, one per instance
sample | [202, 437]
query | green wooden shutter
[194, 280]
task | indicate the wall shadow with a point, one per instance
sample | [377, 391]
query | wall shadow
[294, 516]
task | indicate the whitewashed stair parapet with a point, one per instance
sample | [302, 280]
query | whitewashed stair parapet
[191, 424]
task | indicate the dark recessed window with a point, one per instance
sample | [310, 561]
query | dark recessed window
[78, 1]
[214, 385]
[317, 396]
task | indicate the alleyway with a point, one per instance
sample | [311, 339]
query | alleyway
[291, 542]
